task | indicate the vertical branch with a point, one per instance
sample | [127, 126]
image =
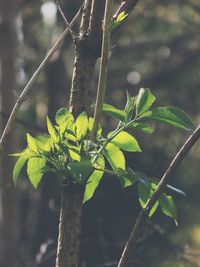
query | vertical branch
[103, 67]
[87, 51]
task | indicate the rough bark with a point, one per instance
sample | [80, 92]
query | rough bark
[72, 195]
[69, 226]
[8, 43]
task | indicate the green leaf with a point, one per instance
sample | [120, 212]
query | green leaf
[125, 141]
[62, 115]
[32, 143]
[118, 20]
[74, 153]
[52, 131]
[115, 157]
[90, 126]
[145, 192]
[114, 112]
[81, 125]
[121, 16]
[126, 180]
[44, 143]
[129, 108]
[35, 170]
[17, 168]
[173, 116]
[80, 170]
[65, 120]
[141, 126]
[94, 180]
[144, 101]
[168, 206]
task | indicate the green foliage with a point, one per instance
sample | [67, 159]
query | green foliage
[118, 20]
[68, 151]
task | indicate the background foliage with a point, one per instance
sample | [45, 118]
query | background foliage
[157, 47]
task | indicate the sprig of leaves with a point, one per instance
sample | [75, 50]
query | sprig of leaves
[68, 151]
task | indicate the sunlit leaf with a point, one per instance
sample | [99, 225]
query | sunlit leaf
[94, 180]
[173, 116]
[114, 112]
[62, 115]
[81, 125]
[35, 170]
[52, 131]
[144, 101]
[44, 143]
[17, 168]
[115, 157]
[141, 126]
[90, 126]
[126, 142]
[32, 143]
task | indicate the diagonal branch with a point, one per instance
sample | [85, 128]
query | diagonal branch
[29, 85]
[132, 242]
[126, 6]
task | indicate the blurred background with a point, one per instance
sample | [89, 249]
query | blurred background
[157, 47]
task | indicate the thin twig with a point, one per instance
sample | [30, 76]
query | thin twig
[73, 35]
[29, 85]
[24, 123]
[103, 67]
[132, 242]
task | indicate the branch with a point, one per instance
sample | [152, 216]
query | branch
[24, 123]
[103, 67]
[126, 6]
[132, 242]
[29, 85]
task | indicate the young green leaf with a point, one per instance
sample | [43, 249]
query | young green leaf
[173, 116]
[126, 180]
[118, 20]
[32, 143]
[115, 157]
[141, 126]
[125, 141]
[168, 206]
[94, 180]
[144, 101]
[81, 125]
[52, 131]
[62, 115]
[90, 126]
[80, 170]
[129, 108]
[43, 143]
[145, 192]
[114, 112]
[17, 168]
[35, 170]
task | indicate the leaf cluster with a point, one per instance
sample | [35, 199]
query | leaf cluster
[68, 151]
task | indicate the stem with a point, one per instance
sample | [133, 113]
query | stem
[103, 67]
[132, 241]
[29, 85]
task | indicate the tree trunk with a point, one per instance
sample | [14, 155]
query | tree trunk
[87, 51]
[8, 43]
[69, 226]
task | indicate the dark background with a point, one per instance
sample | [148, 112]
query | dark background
[157, 47]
